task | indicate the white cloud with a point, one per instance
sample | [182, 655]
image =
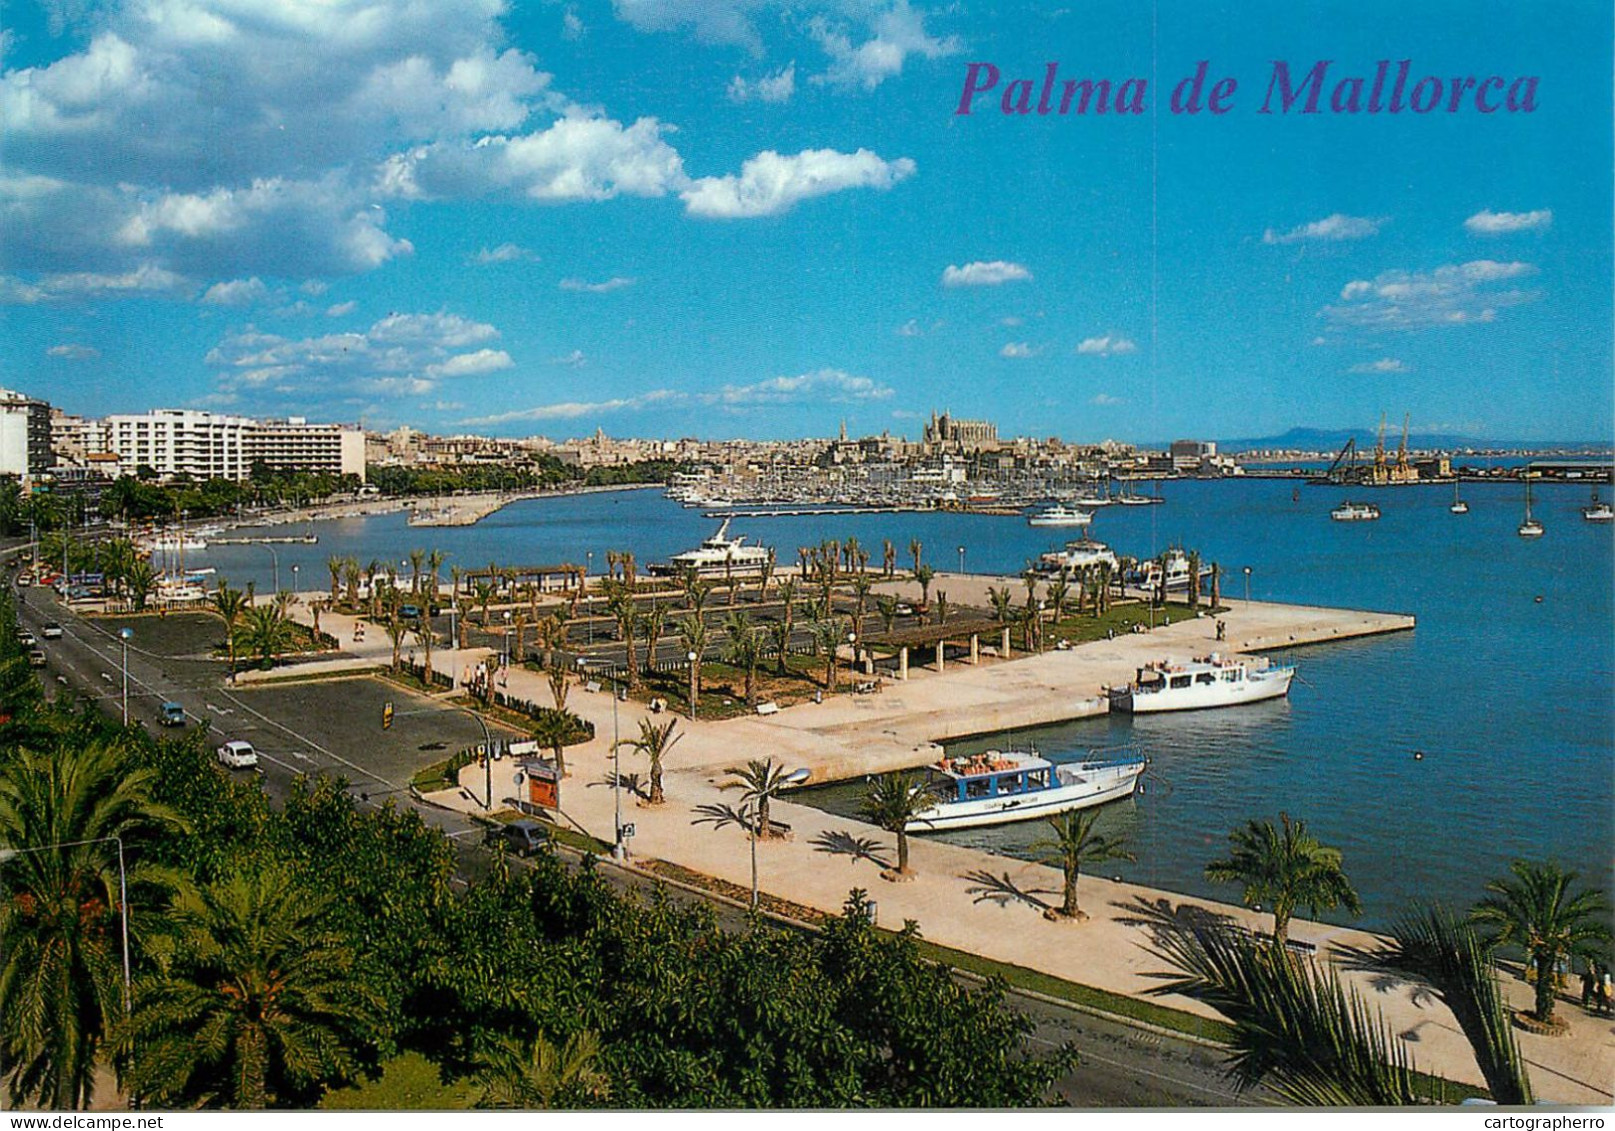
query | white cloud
[606, 286]
[341, 309]
[70, 351]
[573, 410]
[895, 34]
[821, 385]
[1489, 223]
[145, 279]
[572, 24]
[1331, 228]
[236, 292]
[504, 253]
[771, 183]
[910, 329]
[979, 274]
[1452, 295]
[571, 360]
[474, 364]
[712, 21]
[1017, 349]
[1106, 346]
[777, 87]
[1105, 400]
[1383, 365]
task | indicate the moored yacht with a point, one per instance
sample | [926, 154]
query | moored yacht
[1060, 515]
[719, 554]
[1077, 556]
[1458, 505]
[1530, 527]
[1598, 511]
[1209, 682]
[1000, 786]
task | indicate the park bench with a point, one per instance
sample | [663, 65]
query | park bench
[769, 708]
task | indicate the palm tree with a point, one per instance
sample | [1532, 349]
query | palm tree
[543, 1075]
[1284, 867]
[334, 564]
[620, 605]
[140, 579]
[886, 609]
[423, 633]
[894, 801]
[255, 1001]
[556, 730]
[744, 650]
[229, 604]
[653, 622]
[888, 558]
[417, 560]
[264, 633]
[434, 566]
[1194, 579]
[914, 548]
[761, 780]
[829, 633]
[485, 591]
[692, 632]
[654, 741]
[779, 635]
[1073, 844]
[61, 978]
[1538, 912]
[923, 575]
[1003, 603]
[350, 576]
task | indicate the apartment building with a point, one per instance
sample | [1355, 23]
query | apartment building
[25, 449]
[206, 445]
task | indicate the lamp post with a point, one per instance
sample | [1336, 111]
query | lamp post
[7, 854]
[616, 763]
[692, 658]
[507, 639]
[1247, 585]
[123, 638]
[294, 578]
[961, 559]
[755, 805]
[275, 558]
[584, 595]
[852, 661]
[1040, 607]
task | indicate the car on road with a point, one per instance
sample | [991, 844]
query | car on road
[523, 837]
[238, 755]
[51, 631]
[26, 638]
[24, 580]
[173, 715]
[36, 659]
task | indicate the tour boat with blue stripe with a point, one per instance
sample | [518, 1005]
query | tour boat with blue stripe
[1000, 786]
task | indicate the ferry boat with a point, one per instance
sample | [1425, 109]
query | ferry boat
[1084, 553]
[719, 554]
[1148, 573]
[1598, 511]
[1209, 682]
[1530, 527]
[1355, 512]
[1060, 515]
[1000, 786]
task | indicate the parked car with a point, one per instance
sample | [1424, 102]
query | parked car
[26, 638]
[51, 631]
[238, 755]
[36, 659]
[173, 715]
[24, 580]
[523, 837]
[409, 612]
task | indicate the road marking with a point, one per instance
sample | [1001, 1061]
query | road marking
[305, 739]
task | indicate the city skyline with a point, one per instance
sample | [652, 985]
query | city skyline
[734, 221]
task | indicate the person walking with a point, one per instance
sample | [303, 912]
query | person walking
[1589, 985]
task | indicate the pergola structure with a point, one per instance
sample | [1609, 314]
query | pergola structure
[541, 578]
[965, 632]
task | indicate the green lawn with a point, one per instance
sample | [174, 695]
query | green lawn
[408, 1082]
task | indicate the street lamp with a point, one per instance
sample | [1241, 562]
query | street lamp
[294, 578]
[7, 854]
[507, 638]
[275, 558]
[1247, 585]
[961, 559]
[1040, 607]
[692, 658]
[852, 661]
[583, 594]
[616, 763]
[123, 638]
[749, 815]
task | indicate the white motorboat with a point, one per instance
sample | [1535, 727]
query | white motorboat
[1598, 511]
[1084, 553]
[1000, 786]
[1355, 512]
[1530, 527]
[719, 554]
[1060, 515]
[1148, 573]
[1209, 682]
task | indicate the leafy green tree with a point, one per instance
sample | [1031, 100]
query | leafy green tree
[61, 971]
[229, 604]
[1286, 868]
[1075, 843]
[254, 1002]
[893, 802]
[140, 581]
[654, 742]
[1538, 911]
[264, 633]
[556, 730]
[923, 576]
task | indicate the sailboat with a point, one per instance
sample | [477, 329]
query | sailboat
[1458, 505]
[1530, 528]
[1598, 511]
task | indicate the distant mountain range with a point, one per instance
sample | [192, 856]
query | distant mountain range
[1333, 439]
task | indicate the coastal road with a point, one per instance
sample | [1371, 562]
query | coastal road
[334, 727]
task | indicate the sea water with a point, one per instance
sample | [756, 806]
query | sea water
[1431, 758]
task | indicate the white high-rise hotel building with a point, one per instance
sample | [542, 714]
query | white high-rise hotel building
[206, 445]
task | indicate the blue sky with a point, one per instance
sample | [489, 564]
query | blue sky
[739, 218]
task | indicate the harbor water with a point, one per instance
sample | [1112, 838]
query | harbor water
[1431, 758]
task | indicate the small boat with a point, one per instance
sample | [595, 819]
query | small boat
[1209, 682]
[1077, 556]
[1598, 511]
[1530, 527]
[1000, 786]
[1128, 499]
[1060, 515]
[1458, 505]
[1355, 512]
